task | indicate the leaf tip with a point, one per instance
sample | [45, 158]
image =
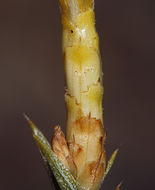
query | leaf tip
[110, 162]
[26, 117]
[119, 185]
[29, 121]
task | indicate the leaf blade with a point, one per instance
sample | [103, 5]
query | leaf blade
[110, 162]
[63, 176]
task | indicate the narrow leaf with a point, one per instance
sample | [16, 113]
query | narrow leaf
[64, 178]
[52, 179]
[110, 162]
[36, 132]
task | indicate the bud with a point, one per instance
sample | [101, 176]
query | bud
[85, 152]
[60, 148]
[79, 161]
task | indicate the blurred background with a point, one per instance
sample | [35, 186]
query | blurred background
[32, 81]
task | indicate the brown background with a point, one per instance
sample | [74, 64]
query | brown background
[32, 81]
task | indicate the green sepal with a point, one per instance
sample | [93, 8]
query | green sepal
[62, 175]
[110, 163]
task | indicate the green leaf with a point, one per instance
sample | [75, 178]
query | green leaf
[110, 162]
[52, 179]
[63, 176]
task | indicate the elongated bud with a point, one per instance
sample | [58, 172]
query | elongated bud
[79, 161]
[84, 91]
